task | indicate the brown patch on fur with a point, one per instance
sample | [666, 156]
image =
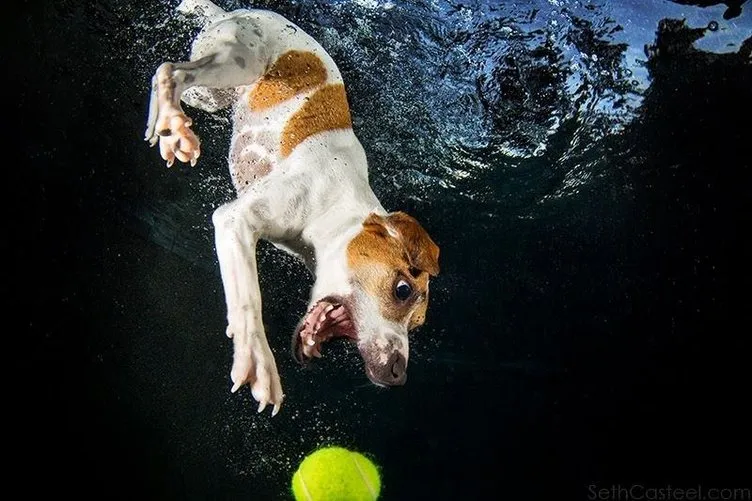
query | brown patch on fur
[293, 73]
[421, 250]
[326, 109]
[378, 260]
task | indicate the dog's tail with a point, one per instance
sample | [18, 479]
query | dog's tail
[204, 10]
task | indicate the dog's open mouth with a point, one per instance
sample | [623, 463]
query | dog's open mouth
[328, 318]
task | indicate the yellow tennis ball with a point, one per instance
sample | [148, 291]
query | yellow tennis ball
[336, 474]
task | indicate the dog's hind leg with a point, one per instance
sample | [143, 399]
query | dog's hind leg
[227, 54]
[204, 9]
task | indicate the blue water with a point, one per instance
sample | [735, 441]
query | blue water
[585, 177]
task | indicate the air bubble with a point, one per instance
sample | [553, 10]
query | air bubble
[713, 26]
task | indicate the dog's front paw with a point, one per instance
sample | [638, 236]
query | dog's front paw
[254, 365]
[176, 139]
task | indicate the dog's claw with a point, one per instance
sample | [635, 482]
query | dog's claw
[253, 365]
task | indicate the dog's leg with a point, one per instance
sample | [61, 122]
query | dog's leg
[236, 234]
[203, 9]
[167, 123]
[227, 54]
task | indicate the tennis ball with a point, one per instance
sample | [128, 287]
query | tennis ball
[336, 474]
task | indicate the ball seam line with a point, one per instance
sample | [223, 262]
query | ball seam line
[363, 476]
[305, 487]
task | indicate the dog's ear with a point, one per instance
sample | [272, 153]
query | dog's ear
[376, 225]
[422, 252]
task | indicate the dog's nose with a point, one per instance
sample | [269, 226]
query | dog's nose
[392, 373]
[397, 369]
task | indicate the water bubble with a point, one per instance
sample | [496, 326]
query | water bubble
[713, 26]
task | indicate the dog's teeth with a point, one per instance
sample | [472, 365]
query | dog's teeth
[262, 406]
[329, 308]
[322, 319]
[311, 342]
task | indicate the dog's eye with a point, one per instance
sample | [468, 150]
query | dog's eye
[403, 291]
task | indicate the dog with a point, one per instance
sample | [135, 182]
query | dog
[301, 179]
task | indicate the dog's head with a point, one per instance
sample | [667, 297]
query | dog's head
[382, 293]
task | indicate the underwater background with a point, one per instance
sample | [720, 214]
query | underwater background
[584, 167]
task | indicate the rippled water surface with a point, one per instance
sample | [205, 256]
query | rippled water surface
[505, 106]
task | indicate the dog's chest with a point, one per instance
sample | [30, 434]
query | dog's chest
[254, 148]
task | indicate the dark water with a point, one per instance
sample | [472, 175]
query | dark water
[585, 168]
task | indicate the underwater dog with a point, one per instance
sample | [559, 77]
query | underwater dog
[301, 178]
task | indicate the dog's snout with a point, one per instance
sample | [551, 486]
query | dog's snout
[386, 360]
[394, 372]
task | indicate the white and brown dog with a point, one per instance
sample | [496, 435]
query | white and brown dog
[301, 178]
